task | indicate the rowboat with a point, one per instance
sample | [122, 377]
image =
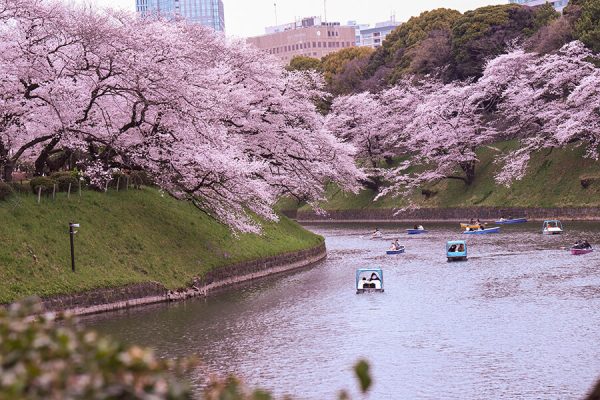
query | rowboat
[495, 229]
[415, 231]
[399, 251]
[503, 221]
[456, 250]
[552, 227]
[369, 280]
[471, 226]
[578, 252]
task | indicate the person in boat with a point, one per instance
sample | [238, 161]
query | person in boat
[393, 247]
[420, 227]
[416, 227]
[461, 248]
[481, 227]
[472, 221]
[362, 283]
[452, 249]
[374, 277]
[376, 233]
[586, 245]
[396, 244]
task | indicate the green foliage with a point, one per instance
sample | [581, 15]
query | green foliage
[303, 63]
[483, 33]
[361, 369]
[334, 63]
[126, 237]
[544, 15]
[42, 359]
[395, 52]
[587, 27]
[64, 178]
[5, 191]
[43, 182]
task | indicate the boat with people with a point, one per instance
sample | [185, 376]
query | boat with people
[472, 226]
[482, 231]
[369, 280]
[509, 220]
[552, 227]
[581, 247]
[395, 248]
[417, 229]
[376, 234]
[456, 250]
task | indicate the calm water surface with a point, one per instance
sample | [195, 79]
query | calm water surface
[519, 320]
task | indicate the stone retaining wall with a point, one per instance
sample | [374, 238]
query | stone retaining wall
[102, 300]
[452, 214]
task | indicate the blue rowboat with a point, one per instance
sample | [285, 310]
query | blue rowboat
[511, 221]
[415, 231]
[495, 229]
[456, 250]
[399, 251]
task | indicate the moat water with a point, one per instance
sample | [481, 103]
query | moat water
[519, 319]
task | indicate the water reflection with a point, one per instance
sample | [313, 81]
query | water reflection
[518, 320]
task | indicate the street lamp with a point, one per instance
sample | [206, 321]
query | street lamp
[72, 233]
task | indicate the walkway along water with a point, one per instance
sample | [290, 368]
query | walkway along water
[518, 320]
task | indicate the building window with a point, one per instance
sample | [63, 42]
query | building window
[314, 44]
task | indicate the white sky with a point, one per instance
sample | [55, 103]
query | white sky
[245, 18]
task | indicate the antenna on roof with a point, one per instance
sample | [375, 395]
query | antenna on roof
[325, 10]
[275, 5]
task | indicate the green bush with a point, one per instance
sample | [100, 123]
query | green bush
[43, 359]
[63, 179]
[5, 191]
[44, 182]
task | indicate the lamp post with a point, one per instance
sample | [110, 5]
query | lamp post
[72, 233]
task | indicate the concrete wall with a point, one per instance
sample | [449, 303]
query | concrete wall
[110, 299]
[450, 214]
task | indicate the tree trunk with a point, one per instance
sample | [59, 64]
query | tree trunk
[9, 167]
[469, 170]
[42, 159]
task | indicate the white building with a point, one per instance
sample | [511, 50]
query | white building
[557, 4]
[373, 37]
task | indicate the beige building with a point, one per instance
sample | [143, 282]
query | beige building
[310, 38]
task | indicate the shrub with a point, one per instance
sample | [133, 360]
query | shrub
[42, 359]
[5, 191]
[43, 182]
[63, 179]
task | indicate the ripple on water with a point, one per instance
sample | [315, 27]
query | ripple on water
[519, 320]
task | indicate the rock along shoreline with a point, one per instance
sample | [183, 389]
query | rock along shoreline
[111, 299]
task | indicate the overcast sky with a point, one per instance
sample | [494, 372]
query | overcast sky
[245, 18]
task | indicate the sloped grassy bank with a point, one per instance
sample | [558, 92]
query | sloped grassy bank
[127, 237]
[557, 179]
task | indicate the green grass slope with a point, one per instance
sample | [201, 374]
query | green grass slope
[125, 237]
[553, 180]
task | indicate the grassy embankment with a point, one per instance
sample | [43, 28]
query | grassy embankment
[553, 180]
[125, 237]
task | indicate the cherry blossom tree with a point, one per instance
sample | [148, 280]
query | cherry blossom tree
[545, 102]
[211, 120]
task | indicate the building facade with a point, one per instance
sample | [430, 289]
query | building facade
[209, 13]
[559, 5]
[309, 37]
[374, 37]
